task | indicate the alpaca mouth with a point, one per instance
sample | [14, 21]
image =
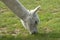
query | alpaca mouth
[34, 32]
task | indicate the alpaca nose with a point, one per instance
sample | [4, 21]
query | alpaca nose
[34, 32]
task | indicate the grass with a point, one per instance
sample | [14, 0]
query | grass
[49, 27]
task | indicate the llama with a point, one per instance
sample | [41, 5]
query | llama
[28, 18]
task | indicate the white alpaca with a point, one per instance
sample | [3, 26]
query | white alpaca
[29, 19]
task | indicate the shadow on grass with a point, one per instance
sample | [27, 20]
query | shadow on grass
[39, 36]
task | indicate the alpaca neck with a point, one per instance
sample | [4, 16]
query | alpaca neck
[17, 8]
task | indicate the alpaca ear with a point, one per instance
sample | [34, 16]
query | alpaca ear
[36, 9]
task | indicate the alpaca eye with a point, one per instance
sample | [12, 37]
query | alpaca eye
[36, 22]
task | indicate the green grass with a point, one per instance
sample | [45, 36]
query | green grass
[49, 27]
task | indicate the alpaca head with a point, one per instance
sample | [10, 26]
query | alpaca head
[31, 21]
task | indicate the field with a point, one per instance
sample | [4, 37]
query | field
[48, 28]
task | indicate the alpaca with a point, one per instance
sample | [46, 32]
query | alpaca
[28, 18]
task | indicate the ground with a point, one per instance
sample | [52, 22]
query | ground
[48, 28]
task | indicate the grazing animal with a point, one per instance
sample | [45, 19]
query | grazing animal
[28, 18]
